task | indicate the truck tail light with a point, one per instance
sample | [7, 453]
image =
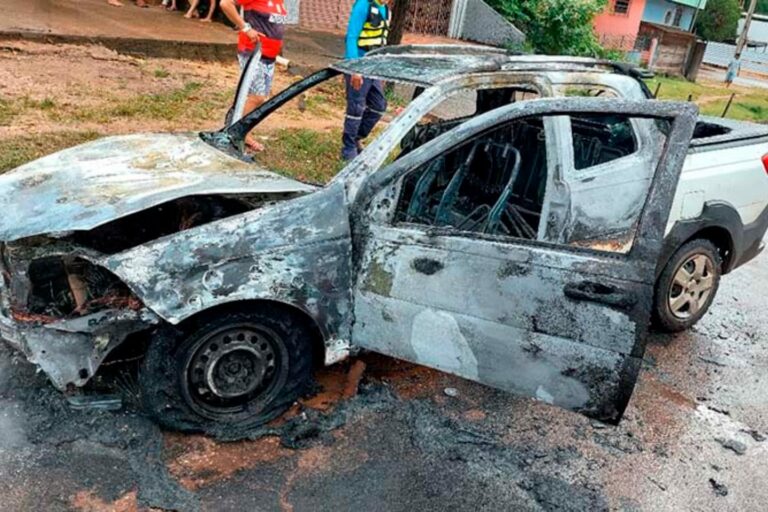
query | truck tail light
[765, 163]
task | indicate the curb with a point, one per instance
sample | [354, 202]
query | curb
[137, 47]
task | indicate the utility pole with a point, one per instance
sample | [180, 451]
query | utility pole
[744, 37]
[695, 17]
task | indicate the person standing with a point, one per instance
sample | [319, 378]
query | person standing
[368, 29]
[261, 20]
[733, 70]
[192, 12]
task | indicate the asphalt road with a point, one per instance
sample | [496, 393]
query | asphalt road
[693, 438]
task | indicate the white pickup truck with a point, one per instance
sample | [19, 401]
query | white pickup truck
[720, 212]
[504, 227]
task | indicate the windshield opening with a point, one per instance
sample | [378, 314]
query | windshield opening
[301, 127]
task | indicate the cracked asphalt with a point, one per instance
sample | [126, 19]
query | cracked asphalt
[693, 438]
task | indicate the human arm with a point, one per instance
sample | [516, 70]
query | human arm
[229, 8]
[356, 21]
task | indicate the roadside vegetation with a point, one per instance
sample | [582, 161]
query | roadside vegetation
[748, 105]
[719, 20]
[302, 140]
[15, 151]
[305, 154]
[556, 27]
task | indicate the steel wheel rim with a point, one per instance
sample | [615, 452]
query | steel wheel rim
[233, 372]
[691, 286]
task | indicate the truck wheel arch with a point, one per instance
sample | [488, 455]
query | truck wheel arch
[719, 223]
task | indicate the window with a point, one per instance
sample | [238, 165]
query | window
[668, 18]
[493, 184]
[598, 139]
[621, 6]
[497, 184]
[678, 16]
[458, 108]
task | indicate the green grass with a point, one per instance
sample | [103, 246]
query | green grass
[394, 100]
[192, 101]
[8, 110]
[161, 73]
[748, 104]
[15, 151]
[305, 154]
[326, 99]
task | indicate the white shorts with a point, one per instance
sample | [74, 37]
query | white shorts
[261, 85]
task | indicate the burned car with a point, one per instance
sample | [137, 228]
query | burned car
[456, 243]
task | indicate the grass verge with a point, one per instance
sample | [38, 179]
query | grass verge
[15, 151]
[307, 155]
[748, 104]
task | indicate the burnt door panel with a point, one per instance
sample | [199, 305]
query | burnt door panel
[563, 324]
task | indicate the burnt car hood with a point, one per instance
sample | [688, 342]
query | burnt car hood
[88, 185]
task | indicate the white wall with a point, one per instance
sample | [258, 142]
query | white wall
[758, 29]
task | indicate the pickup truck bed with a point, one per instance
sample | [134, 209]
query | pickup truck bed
[718, 133]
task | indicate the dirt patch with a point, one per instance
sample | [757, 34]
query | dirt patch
[87, 501]
[407, 380]
[197, 461]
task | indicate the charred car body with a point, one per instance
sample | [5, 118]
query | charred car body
[472, 251]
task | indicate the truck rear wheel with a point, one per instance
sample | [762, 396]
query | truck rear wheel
[226, 374]
[687, 285]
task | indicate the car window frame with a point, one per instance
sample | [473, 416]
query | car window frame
[379, 187]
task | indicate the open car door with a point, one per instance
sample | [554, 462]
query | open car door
[454, 272]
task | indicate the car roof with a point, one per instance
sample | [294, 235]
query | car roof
[425, 65]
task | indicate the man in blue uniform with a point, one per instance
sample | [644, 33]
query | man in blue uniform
[368, 29]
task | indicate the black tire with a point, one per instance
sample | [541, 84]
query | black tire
[667, 290]
[228, 373]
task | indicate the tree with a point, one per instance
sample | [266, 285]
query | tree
[719, 21]
[762, 7]
[555, 27]
[399, 17]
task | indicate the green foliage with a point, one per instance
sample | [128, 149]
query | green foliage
[556, 27]
[762, 6]
[719, 21]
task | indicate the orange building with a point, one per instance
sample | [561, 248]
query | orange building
[617, 27]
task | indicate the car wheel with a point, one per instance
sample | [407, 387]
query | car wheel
[687, 285]
[228, 373]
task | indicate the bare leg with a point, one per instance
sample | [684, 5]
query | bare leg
[115, 3]
[172, 6]
[251, 103]
[211, 9]
[192, 12]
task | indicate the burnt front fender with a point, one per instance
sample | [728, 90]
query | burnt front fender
[70, 351]
[297, 252]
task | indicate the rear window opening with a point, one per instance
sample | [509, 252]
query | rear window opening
[704, 129]
[166, 219]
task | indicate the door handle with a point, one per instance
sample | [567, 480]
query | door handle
[601, 293]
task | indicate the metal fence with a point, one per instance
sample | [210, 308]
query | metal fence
[625, 43]
[429, 17]
[424, 16]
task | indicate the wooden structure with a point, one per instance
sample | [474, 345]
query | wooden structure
[670, 48]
